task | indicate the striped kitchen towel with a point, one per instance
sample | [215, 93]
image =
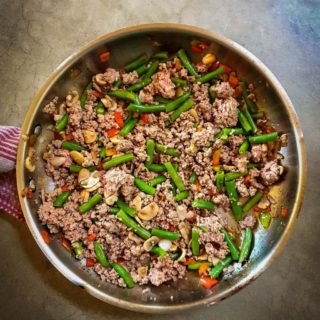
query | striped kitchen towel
[9, 201]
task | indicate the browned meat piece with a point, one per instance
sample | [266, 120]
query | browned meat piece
[225, 112]
[270, 173]
[223, 90]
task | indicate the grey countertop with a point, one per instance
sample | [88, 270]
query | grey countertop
[35, 36]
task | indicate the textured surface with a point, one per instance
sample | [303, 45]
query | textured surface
[35, 36]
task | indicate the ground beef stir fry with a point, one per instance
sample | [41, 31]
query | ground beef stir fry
[160, 168]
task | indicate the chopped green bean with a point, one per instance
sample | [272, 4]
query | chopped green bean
[213, 95]
[156, 167]
[157, 180]
[246, 245]
[181, 196]
[250, 104]
[135, 64]
[83, 98]
[250, 120]
[226, 132]
[179, 82]
[117, 84]
[195, 245]
[139, 85]
[123, 206]
[209, 76]
[234, 175]
[124, 274]
[94, 200]
[263, 138]
[174, 104]
[102, 153]
[215, 272]
[202, 204]
[76, 169]
[265, 219]
[124, 95]
[78, 250]
[128, 127]
[244, 122]
[114, 210]
[101, 256]
[244, 147]
[252, 202]
[220, 180]
[118, 160]
[258, 115]
[167, 150]
[183, 108]
[152, 69]
[174, 176]
[158, 251]
[234, 198]
[165, 234]
[71, 146]
[175, 255]
[162, 100]
[61, 199]
[252, 165]
[142, 70]
[193, 178]
[62, 122]
[144, 187]
[197, 265]
[100, 108]
[186, 62]
[130, 223]
[234, 251]
[161, 55]
[146, 108]
[150, 146]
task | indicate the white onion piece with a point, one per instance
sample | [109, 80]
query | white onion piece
[165, 244]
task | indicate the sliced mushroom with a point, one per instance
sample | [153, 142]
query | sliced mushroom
[116, 139]
[83, 175]
[100, 79]
[150, 243]
[149, 211]
[136, 203]
[29, 165]
[142, 271]
[203, 257]
[185, 230]
[89, 136]
[95, 186]
[281, 169]
[109, 103]
[77, 157]
[193, 113]
[58, 161]
[183, 255]
[134, 237]
[111, 199]
[84, 196]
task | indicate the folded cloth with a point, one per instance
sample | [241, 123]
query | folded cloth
[9, 201]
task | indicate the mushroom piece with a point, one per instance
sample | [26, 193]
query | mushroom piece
[109, 103]
[29, 165]
[58, 161]
[142, 271]
[149, 211]
[83, 175]
[183, 255]
[84, 196]
[89, 136]
[77, 157]
[150, 243]
[100, 79]
[95, 186]
[174, 246]
[136, 203]
[185, 230]
[193, 113]
[134, 237]
[110, 199]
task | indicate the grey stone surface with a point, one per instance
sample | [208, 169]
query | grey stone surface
[35, 36]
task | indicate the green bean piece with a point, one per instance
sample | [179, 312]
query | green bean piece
[250, 120]
[244, 122]
[179, 82]
[142, 70]
[234, 198]
[181, 196]
[158, 251]
[263, 138]
[195, 245]
[174, 176]
[175, 255]
[250, 104]
[71, 146]
[124, 95]
[234, 251]
[202, 204]
[117, 84]
[167, 150]
[139, 85]
[61, 199]
[124, 274]
[102, 152]
[162, 100]
[174, 104]
[154, 167]
[197, 265]
[83, 98]
[175, 166]
[100, 108]
[265, 219]
[144, 187]
[258, 115]
[94, 200]
[186, 62]
[75, 168]
[244, 147]
[209, 76]
[215, 272]
[62, 122]
[234, 175]
[165, 234]
[128, 127]
[123, 206]
[78, 250]
[213, 95]
[150, 146]
[174, 188]
[163, 55]
[226, 132]
[114, 210]
[157, 180]
[220, 180]
[118, 160]
[146, 108]
[132, 224]
[246, 245]
[252, 165]
[101, 256]
[193, 178]
[183, 108]
[135, 64]
[152, 69]
[252, 202]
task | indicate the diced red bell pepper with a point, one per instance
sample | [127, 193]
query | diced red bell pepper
[189, 261]
[227, 69]
[237, 91]
[91, 237]
[144, 118]
[119, 119]
[100, 166]
[233, 80]
[196, 49]
[120, 260]
[104, 56]
[97, 94]
[90, 263]
[112, 132]
[207, 282]
[64, 188]
[171, 228]
[284, 212]
[57, 136]
[215, 66]
[202, 45]
[203, 268]
[69, 137]
[66, 244]
[45, 236]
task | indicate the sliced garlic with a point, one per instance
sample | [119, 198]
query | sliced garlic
[89, 136]
[150, 243]
[136, 203]
[183, 255]
[165, 244]
[110, 200]
[77, 157]
[149, 211]
[58, 161]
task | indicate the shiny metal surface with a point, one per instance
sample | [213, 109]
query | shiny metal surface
[125, 45]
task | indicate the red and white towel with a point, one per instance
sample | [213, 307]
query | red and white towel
[9, 201]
